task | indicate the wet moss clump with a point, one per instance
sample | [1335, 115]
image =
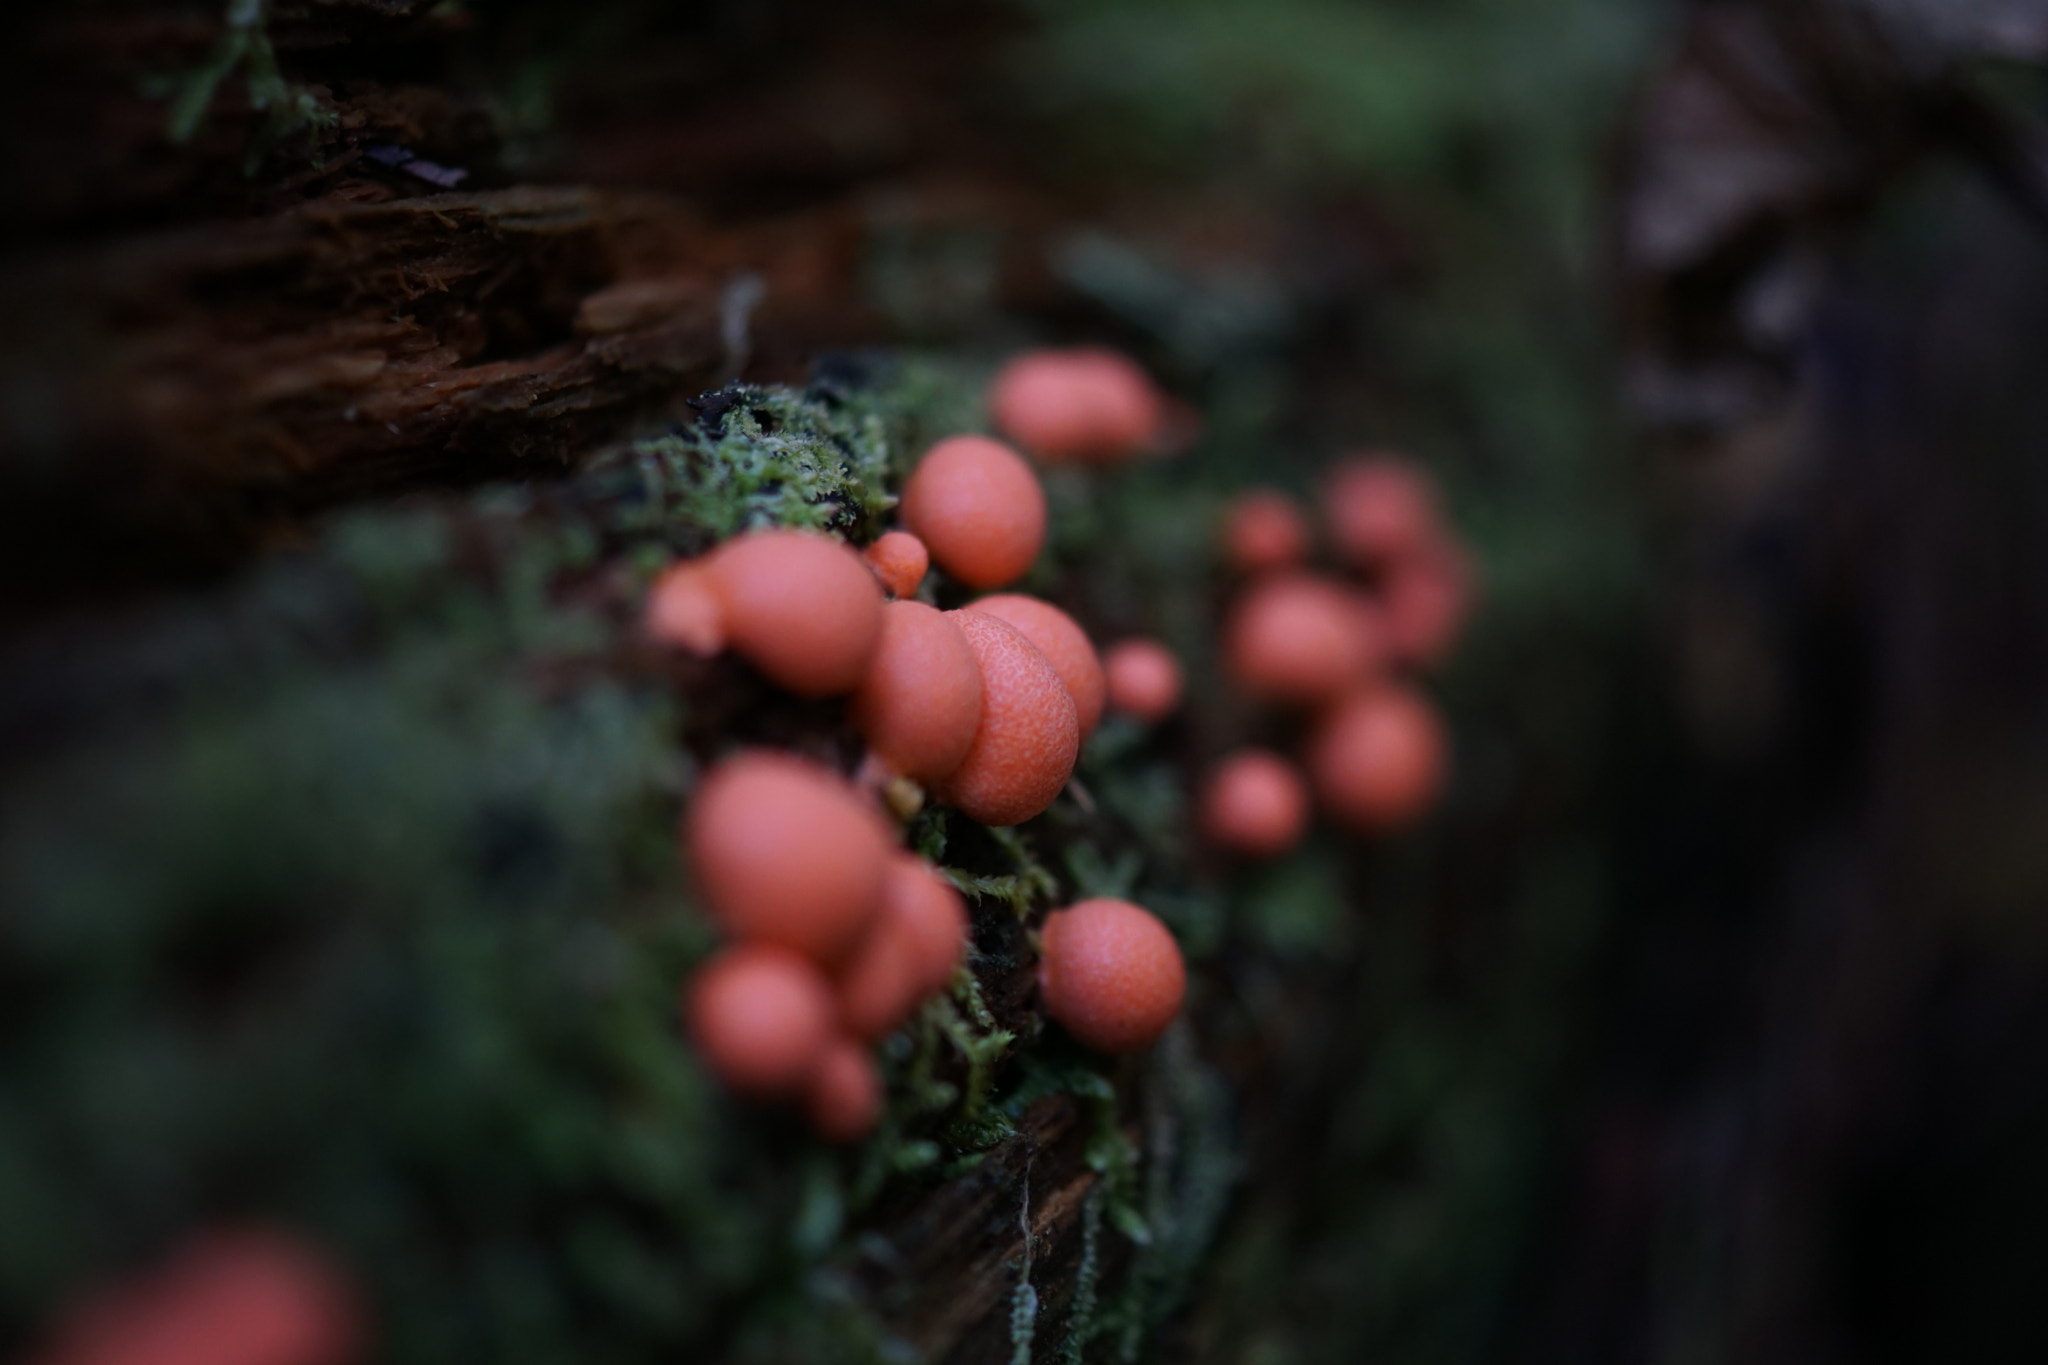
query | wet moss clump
[765, 457]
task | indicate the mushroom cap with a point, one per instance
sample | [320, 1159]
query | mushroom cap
[1255, 803]
[899, 561]
[787, 853]
[1030, 733]
[1379, 759]
[1380, 507]
[1301, 639]
[978, 509]
[1110, 974]
[920, 703]
[879, 987]
[908, 954]
[1142, 678]
[685, 609]
[1425, 600]
[844, 1097]
[1064, 644]
[1264, 530]
[933, 917]
[801, 607]
[1087, 405]
[761, 1017]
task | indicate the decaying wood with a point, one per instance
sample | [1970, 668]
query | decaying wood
[170, 396]
[356, 345]
[946, 1268]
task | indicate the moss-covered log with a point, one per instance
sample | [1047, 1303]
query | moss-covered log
[432, 754]
[337, 820]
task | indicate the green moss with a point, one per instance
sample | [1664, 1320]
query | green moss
[768, 457]
[1081, 1323]
[962, 1127]
[1096, 876]
[1030, 886]
[980, 1043]
[285, 110]
[382, 952]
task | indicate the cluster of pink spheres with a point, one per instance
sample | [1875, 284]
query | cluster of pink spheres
[837, 934]
[1341, 648]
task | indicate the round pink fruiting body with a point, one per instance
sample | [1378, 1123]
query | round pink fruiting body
[1264, 531]
[1379, 759]
[1300, 639]
[899, 561]
[1030, 733]
[920, 703]
[1142, 679]
[844, 1096]
[978, 509]
[761, 1017]
[1064, 644]
[800, 607]
[1111, 974]
[786, 852]
[1256, 804]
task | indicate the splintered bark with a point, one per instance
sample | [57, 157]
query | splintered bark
[340, 350]
[203, 340]
[352, 348]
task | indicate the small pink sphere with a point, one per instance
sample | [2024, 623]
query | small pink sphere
[1030, 733]
[920, 703]
[685, 611]
[1381, 507]
[1088, 405]
[787, 852]
[1300, 639]
[844, 1097]
[1255, 804]
[1064, 644]
[761, 1017]
[899, 561]
[978, 509]
[1264, 531]
[933, 918]
[908, 954]
[1110, 974]
[1426, 598]
[1380, 759]
[1144, 680]
[799, 606]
